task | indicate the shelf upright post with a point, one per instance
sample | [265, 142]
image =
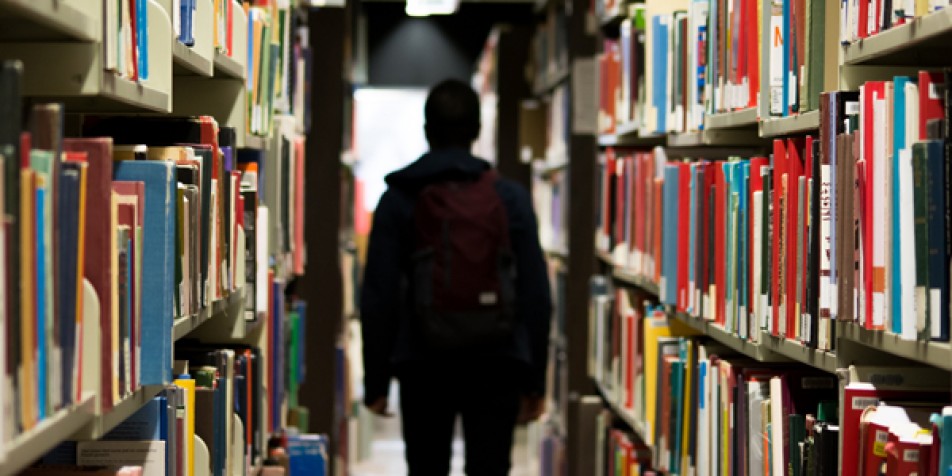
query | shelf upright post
[583, 146]
[329, 29]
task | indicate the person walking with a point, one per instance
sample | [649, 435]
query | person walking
[455, 302]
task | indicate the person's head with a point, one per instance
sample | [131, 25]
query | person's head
[452, 115]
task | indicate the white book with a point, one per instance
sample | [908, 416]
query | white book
[757, 226]
[776, 427]
[879, 211]
[110, 35]
[826, 229]
[703, 424]
[757, 393]
[150, 454]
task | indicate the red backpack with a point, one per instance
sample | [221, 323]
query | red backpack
[463, 282]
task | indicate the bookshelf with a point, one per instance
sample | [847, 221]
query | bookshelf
[922, 42]
[27, 447]
[781, 126]
[62, 52]
[52, 20]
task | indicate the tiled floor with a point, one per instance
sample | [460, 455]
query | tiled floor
[387, 454]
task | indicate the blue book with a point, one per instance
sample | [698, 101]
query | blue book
[42, 332]
[730, 251]
[307, 455]
[787, 67]
[301, 307]
[149, 423]
[70, 174]
[899, 143]
[142, 37]
[677, 407]
[158, 271]
[187, 16]
[944, 422]
[669, 241]
[278, 366]
[660, 70]
[938, 306]
[744, 248]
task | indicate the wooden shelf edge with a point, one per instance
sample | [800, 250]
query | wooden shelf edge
[751, 349]
[33, 444]
[124, 409]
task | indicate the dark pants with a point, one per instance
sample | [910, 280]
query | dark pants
[486, 395]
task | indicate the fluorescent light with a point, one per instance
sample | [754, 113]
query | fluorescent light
[422, 8]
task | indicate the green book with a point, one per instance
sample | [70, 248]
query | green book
[798, 432]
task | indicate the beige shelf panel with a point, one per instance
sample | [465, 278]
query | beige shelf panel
[921, 42]
[819, 359]
[936, 354]
[235, 65]
[199, 58]
[27, 447]
[731, 120]
[753, 350]
[723, 137]
[783, 126]
[626, 416]
[50, 20]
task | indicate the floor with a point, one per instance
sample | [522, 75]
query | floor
[386, 458]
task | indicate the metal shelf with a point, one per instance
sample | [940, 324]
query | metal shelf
[730, 120]
[819, 359]
[637, 426]
[122, 410]
[33, 444]
[189, 61]
[936, 354]
[784, 126]
[753, 350]
[724, 137]
[48, 20]
[220, 308]
[627, 135]
[226, 66]
[640, 282]
[255, 142]
[922, 42]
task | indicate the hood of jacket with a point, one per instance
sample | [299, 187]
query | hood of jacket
[436, 166]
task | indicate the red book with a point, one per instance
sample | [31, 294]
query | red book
[930, 99]
[658, 201]
[133, 32]
[720, 238]
[607, 195]
[863, 32]
[637, 210]
[98, 265]
[133, 216]
[684, 238]
[753, 52]
[621, 195]
[869, 93]
[805, 228]
[704, 281]
[795, 167]
[779, 170]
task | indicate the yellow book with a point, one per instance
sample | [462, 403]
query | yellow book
[189, 386]
[656, 325]
[27, 371]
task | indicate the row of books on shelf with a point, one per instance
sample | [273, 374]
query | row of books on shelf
[276, 64]
[216, 417]
[865, 18]
[702, 409]
[673, 62]
[162, 217]
[849, 225]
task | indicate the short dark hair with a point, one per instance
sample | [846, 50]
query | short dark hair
[452, 114]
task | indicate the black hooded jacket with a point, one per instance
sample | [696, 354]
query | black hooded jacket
[389, 340]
